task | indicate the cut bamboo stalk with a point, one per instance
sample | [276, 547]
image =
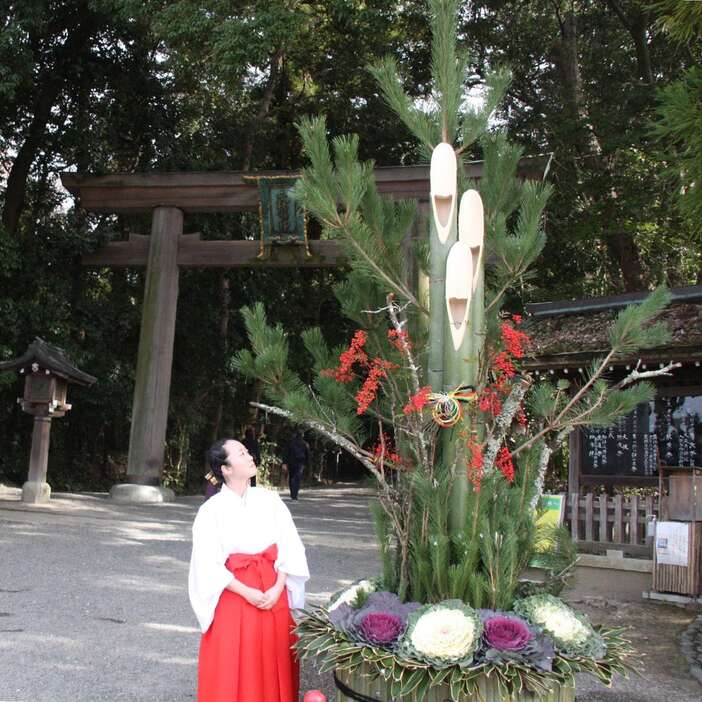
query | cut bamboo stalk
[443, 184]
[459, 290]
[471, 230]
[467, 338]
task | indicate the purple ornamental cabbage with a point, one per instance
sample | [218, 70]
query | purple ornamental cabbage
[342, 618]
[389, 603]
[509, 638]
[380, 622]
[381, 628]
[506, 633]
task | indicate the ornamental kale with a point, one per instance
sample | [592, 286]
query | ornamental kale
[379, 622]
[507, 638]
[380, 628]
[571, 631]
[506, 633]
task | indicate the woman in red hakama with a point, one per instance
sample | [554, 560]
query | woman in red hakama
[246, 557]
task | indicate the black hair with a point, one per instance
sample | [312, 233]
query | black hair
[216, 457]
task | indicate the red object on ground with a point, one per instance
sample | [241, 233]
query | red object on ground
[245, 656]
[314, 696]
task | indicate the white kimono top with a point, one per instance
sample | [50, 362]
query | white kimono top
[227, 524]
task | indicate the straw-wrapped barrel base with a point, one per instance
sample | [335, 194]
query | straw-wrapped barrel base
[359, 686]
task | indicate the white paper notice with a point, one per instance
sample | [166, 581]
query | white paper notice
[672, 543]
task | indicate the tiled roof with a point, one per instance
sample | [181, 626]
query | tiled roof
[569, 334]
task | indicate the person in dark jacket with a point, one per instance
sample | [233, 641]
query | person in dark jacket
[296, 457]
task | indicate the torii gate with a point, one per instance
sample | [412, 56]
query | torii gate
[170, 196]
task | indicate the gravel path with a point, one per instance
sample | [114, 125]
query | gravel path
[93, 601]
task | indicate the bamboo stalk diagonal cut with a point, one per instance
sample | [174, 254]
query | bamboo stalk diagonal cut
[459, 290]
[471, 229]
[442, 177]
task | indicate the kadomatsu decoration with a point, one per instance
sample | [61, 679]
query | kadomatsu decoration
[430, 395]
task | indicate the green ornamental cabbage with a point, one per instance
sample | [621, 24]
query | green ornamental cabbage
[571, 631]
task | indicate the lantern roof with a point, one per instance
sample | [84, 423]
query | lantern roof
[51, 358]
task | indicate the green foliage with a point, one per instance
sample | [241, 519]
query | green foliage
[585, 78]
[385, 541]
[556, 555]
[681, 20]
[633, 328]
[224, 90]
[324, 402]
[679, 116]
[343, 196]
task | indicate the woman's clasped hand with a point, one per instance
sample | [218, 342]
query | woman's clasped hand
[262, 600]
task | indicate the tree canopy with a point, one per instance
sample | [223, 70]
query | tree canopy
[104, 86]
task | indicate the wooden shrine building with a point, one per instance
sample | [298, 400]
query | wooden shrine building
[568, 335]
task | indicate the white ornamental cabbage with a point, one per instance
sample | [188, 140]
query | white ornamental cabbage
[349, 595]
[443, 634]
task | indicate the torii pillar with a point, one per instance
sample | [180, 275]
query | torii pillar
[168, 197]
[147, 436]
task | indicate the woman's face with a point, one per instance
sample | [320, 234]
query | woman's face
[240, 465]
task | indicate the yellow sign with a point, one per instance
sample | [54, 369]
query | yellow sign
[551, 514]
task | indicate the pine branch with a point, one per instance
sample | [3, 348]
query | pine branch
[362, 456]
[637, 375]
[544, 457]
[414, 374]
[630, 331]
[421, 125]
[503, 422]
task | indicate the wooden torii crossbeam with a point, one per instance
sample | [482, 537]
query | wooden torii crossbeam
[169, 197]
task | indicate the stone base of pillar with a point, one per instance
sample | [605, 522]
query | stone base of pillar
[132, 493]
[36, 493]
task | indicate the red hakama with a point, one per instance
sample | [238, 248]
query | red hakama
[246, 655]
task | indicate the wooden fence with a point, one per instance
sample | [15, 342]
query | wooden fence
[599, 522]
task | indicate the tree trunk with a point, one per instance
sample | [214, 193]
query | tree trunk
[16, 190]
[50, 87]
[620, 243]
[623, 250]
[637, 25]
[264, 107]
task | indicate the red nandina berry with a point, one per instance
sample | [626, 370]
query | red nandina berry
[504, 464]
[369, 389]
[514, 340]
[355, 354]
[475, 465]
[399, 339]
[385, 450]
[489, 401]
[418, 401]
[503, 364]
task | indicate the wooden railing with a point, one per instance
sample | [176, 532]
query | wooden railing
[599, 522]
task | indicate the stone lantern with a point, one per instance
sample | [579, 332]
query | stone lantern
[47, 374]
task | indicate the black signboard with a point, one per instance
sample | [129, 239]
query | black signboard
[669, 426]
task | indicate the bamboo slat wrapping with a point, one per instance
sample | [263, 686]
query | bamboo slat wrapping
[359, 681]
